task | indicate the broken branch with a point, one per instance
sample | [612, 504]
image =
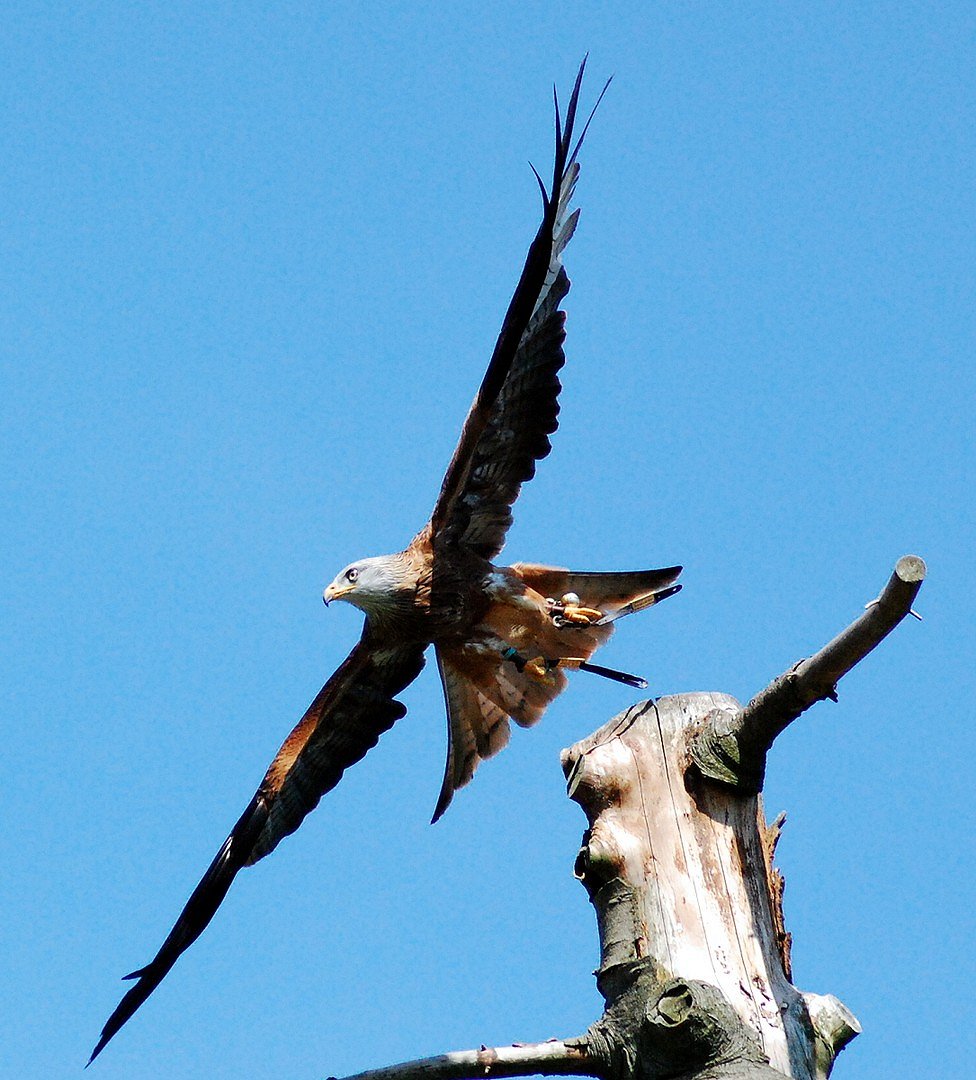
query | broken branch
[553, 1058]
[732, 747]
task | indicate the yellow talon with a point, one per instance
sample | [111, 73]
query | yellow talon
[542, 668]
[581, 616]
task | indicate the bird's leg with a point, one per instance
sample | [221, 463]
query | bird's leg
[577, 663]
[568, 611]
[541, 667]
[538, 666]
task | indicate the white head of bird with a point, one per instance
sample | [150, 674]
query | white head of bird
[368, 584]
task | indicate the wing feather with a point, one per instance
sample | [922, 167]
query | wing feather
[517, 436]
[345, 720]
[514, 412]
[476, 730]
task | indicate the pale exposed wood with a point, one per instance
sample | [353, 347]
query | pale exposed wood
[678, 872]
[552, 1058]
[777, 885]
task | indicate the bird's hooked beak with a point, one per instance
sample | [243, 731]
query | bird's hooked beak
[333, 592]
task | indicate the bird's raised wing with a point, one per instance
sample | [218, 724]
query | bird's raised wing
[345, 720]
[508, 426]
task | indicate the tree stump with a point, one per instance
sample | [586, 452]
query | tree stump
[679, 870]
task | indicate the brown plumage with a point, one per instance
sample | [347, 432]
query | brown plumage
[503, 636]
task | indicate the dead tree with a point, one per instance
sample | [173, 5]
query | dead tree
[677, 861]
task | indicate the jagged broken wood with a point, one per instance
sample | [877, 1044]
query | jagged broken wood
[677, 861]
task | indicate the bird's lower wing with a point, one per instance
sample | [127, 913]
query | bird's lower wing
[345, 720]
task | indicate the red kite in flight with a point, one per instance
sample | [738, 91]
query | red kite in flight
[502, 635]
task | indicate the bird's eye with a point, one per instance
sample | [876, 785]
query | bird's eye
[352, 573]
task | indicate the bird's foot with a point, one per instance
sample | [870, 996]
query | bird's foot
[581, 616]
[540, 667]
[543, 666]
[568, 611]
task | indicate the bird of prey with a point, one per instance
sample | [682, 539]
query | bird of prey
[503, 636]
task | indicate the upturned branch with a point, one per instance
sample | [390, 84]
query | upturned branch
[555, 1057]
[731, 748]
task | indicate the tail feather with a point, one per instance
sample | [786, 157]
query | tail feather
[609, 592]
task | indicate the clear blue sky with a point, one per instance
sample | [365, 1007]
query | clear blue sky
[254, 258]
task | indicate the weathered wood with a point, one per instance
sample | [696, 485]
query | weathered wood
[732, 746]
[653, 1030]
[678, 872]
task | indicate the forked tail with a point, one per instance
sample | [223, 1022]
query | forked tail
[612, 595]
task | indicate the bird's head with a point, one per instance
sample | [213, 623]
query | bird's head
[368, 584]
